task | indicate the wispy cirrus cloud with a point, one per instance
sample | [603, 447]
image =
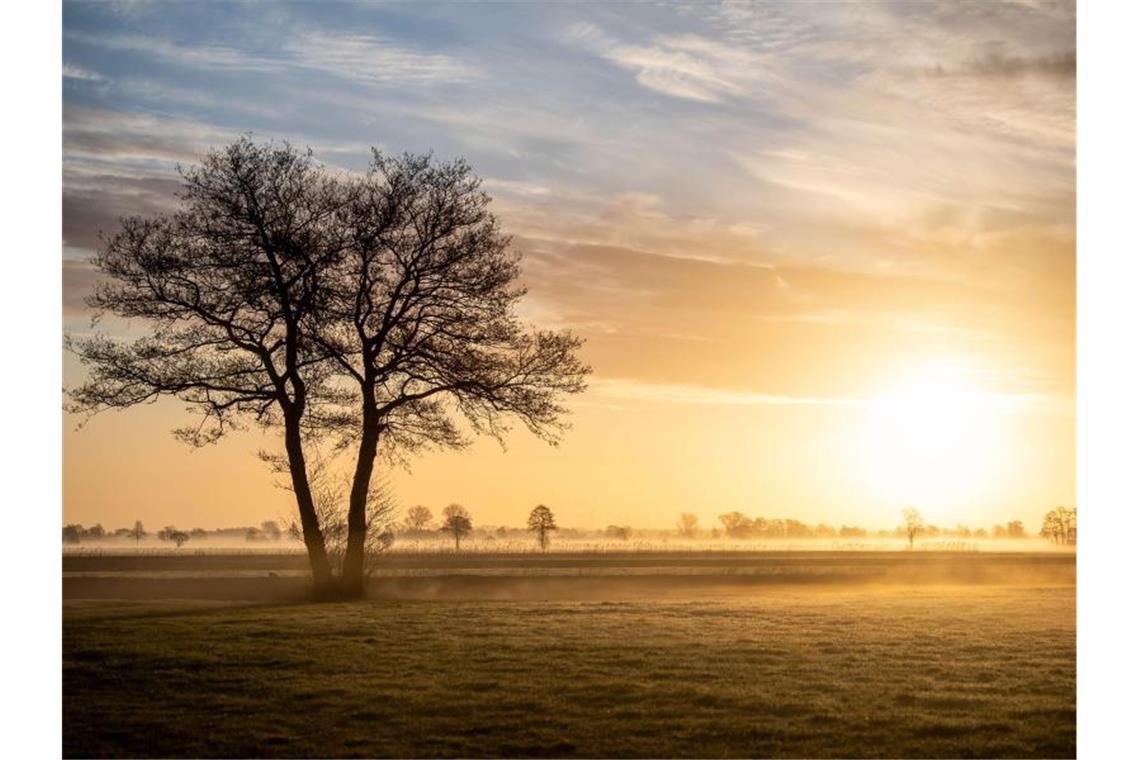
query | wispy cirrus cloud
[362, 57]
[71, 71]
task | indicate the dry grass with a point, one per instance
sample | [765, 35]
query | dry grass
[914, 672]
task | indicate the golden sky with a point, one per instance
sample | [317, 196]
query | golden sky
[823, 254]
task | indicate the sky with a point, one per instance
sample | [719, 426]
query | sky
[823, 254]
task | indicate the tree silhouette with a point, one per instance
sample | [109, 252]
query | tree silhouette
[419, 517]
[541, 523]
[422, 321]
[687, 525]
[457, 522]
[1060, 525]
[365, 309]
[736, 524]
[912, 525]
[137, 532]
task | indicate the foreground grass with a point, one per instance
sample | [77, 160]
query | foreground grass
[986, 672]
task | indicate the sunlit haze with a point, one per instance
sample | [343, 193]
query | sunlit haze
[822, 254]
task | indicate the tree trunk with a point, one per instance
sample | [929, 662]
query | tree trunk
[324, 585]
[352, 577]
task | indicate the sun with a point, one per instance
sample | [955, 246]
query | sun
[929, 439]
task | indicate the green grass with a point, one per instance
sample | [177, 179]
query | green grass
[969, 672]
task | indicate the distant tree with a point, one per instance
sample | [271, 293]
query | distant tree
[849, 531]
[620, 532]
[687, 525]
[179, 537]
[96, 532]
[824, 531]
[137, 532]
[198, 534]
[1015, 529]
[912, 525]
[271, 530]
[541, 523]
[164, 534]
[73, 533]
[796, 529]
[252, 534]
[736, 524]
[419, 517]
[999, 531]
[457, 522]
[981, 533]
[1060, 525]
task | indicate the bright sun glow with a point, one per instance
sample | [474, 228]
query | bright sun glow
[930, 440]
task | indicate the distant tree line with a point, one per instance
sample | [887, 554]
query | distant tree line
[1058, 526]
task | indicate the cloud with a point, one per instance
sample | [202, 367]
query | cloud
[70, 71]
[635, 390]
[352, 56]
[374, 59]
[996, 64]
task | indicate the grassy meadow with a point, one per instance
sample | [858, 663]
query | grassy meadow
[590, 665]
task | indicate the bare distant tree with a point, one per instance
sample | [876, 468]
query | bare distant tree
[541, 523]
[1060, 525]
[620, 532]
[457, 522]
[137, 532]
[372, 309]
[912, 525]
[736, 524]
[419, 517]
[687, 525]
[271, 530]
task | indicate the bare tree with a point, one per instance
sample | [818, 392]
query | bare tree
[620, 532]
[736, 524]
[137, 532]
[271, 530]
[541, 523]
[912, 525]
[419, 517]
[329, 487]
[227, 285]
[1060, 525]
[370, 309]
[457, 522]
[687, 525]
[423, 321]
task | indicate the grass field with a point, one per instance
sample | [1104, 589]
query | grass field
[815, 670]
